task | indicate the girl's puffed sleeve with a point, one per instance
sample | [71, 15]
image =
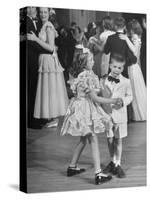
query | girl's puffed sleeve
[93, 83]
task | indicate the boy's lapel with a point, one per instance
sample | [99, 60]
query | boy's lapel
[119, 85]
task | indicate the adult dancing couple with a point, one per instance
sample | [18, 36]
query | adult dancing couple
[45, 77]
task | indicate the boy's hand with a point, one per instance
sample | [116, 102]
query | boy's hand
[118, 104]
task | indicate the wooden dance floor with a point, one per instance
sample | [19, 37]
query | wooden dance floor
[49, 155]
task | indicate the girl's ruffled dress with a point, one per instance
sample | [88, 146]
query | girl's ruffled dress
[83, 116]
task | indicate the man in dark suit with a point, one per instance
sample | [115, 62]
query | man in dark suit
[30, 51]
[116, 45]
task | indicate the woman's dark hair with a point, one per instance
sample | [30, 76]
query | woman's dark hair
[135, 26]
[79, 62]
[51, 18]
[117, 57]
[91, 30]
[108, 23]
[90, 26]
[78, 28]
[62, 28]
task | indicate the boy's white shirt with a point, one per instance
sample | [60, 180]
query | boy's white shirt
[121, 90]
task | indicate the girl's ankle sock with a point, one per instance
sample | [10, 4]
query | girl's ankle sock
[117, 163]
[98, 171]
[72, 166]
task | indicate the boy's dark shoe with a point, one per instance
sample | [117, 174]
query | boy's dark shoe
[109, 168]
[102, 178]
[118, 171]
[71, 171]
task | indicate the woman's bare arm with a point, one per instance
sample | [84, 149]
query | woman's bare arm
[49, 45]
[51, 40]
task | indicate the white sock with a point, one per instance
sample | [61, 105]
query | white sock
[113, 159]
[72, 166]
[118, 162]
[98, 171]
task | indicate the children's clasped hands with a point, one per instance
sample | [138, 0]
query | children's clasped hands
[118, 104]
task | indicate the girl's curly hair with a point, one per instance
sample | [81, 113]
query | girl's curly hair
[79, 62]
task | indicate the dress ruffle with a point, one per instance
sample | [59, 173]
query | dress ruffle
[83, 116]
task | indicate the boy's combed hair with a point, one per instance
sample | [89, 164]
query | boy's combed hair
[135, 26]
[108, 23]
[118, 57]
[79, 63]
[119, 22]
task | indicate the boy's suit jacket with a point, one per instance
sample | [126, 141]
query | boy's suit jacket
[121, 90]
[115, 45]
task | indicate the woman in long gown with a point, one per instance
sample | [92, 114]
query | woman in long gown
[134, 71]
[51, 97]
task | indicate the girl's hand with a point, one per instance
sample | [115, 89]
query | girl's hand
[117, 101]
[123, 37]
[87, 90]
[118, 104]
[31, 36]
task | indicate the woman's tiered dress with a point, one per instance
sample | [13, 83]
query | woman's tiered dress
[51, 96]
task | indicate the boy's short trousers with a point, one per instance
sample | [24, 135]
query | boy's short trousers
[118, 131]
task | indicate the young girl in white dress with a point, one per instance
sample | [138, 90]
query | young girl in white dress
[85, 117]
[51, 96]
[134, 71]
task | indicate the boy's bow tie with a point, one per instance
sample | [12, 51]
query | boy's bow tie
[112, 79]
